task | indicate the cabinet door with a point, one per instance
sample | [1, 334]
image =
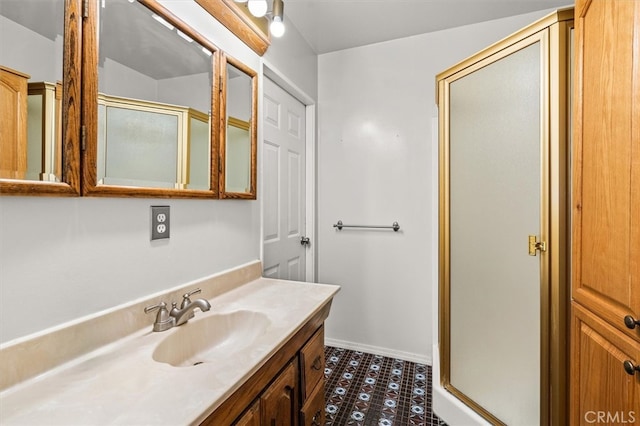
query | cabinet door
[602, 391]
[251, 417]
[312, 363]
[312, 413]
[606, 194]
[279, 404]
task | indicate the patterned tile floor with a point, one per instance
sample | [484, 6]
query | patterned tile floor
[371, 390]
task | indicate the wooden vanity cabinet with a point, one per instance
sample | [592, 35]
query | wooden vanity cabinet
[288, 390]
[606, 213]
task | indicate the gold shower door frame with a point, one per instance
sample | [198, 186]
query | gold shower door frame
[554, 35]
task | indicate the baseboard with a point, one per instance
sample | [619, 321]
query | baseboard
[407, 356]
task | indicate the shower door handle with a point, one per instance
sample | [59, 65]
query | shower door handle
[535, 246]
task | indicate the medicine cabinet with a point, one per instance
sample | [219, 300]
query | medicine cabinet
[148, 109]
[121, 98]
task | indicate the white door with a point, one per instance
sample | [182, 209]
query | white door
[283, 160]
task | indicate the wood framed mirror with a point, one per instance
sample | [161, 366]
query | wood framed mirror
[238, 130]
[39, 97]
[150, 103]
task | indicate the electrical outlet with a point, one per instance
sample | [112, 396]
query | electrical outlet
[159, 222]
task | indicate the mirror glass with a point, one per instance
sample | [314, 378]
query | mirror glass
[154, 100]
[239, 141]
[31, 62]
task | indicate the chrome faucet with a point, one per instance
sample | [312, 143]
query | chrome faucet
[186, 311]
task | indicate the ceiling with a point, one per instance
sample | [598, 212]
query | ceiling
[330, 25]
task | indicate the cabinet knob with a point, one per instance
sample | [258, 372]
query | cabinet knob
[631, 322]
[630, 368]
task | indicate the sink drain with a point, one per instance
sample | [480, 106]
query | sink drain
[198, 363]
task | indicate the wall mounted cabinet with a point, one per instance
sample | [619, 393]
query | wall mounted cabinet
[606, 213]
[114, 55]
[143, 147]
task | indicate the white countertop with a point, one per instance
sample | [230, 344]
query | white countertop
[121, 384]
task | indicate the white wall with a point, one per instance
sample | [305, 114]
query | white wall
[376, 105]
[116, 79]
[292, 56]
[64, 258]
[186, 90]
[44, 63]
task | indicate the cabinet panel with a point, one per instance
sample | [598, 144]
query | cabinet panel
[312, 413]
[278, 403]
[603, 392]
[251, 417]
[312, 363]
[606, 243]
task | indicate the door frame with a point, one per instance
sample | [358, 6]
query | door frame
[280, 79]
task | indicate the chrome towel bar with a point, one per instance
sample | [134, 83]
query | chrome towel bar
[341, 225]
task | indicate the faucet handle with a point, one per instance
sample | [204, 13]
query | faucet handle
[192, 292]
[164, 321]
[186, 297]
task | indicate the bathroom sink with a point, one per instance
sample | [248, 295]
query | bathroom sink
[211, 337]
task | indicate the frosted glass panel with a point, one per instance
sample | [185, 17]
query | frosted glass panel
[495, 172]
[141, 148]
[199, 155]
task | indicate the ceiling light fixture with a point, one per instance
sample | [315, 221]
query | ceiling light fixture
[276, 27]
[260, 8]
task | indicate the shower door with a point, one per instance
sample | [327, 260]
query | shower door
[495, 154]
[495, 230]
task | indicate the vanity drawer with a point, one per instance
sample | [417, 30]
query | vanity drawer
[312, 363]
[312, 413]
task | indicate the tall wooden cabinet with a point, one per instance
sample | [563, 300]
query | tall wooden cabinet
[605, 350]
